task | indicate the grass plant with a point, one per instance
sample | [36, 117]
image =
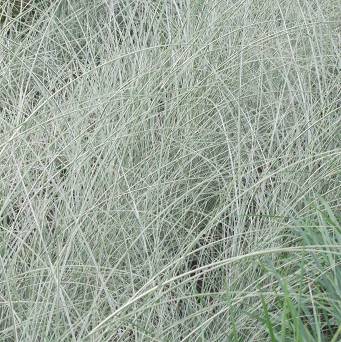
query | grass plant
[170, 170]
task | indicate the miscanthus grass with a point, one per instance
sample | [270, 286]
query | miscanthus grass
[170, 170]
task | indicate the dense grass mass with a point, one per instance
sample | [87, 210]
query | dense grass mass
[170, 170]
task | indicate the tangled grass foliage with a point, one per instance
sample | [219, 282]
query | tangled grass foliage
[156, 161]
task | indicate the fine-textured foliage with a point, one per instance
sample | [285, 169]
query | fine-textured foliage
[161, 163]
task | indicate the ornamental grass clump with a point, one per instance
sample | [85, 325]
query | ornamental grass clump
[160, 163]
